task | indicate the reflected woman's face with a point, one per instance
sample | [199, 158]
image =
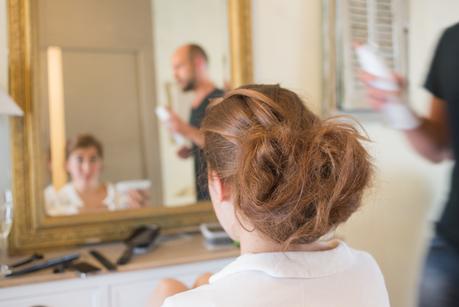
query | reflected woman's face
[85, 166]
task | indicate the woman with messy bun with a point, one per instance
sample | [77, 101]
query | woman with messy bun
[281, 180]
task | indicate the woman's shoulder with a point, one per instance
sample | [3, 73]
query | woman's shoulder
[366, 272]
[364, 260]
[68, 194]
[250, 280]
[64, 201]
[200, 296]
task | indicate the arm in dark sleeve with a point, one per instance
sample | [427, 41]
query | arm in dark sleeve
[433, 81]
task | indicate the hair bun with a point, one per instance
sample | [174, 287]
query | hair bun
[292, 175]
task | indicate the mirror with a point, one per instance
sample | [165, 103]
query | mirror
[89, 75]
[99, 78]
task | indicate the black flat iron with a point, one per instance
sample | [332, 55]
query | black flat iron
[141, 240]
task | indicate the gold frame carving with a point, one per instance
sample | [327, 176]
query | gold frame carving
[32, 229]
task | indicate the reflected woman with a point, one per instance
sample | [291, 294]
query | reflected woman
[85, 192]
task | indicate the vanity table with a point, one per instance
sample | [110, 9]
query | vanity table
[183, 258]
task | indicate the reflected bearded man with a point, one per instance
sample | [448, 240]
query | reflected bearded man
[190, 68]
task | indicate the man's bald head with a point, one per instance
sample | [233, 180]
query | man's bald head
[188, 62]
[196, 52]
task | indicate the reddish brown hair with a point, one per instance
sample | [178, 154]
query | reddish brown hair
[83, 141]
[293, 175]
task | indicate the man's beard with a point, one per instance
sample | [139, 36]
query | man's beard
[190, 86]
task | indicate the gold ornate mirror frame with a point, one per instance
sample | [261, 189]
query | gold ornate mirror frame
[32, 228]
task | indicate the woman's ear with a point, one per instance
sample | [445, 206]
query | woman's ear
[217, 189]
[215, 186]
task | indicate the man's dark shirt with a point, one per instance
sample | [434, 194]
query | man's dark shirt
[200, 167]
[443, 82]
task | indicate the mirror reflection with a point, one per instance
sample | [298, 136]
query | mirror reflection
[122, 87]
[85, 191]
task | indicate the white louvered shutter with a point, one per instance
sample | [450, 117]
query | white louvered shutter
[380, 22]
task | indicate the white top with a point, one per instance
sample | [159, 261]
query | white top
[338, 277]
[67, 201]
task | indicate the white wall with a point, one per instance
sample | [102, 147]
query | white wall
[408, 192]
[287, 46]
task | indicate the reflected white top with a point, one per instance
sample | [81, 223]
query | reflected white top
[66, 201]
[338, 277]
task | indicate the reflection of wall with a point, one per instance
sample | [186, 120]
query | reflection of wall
[105, 103]
[108, 79]
[178, 22]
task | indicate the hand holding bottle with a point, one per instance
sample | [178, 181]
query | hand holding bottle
[170, 120]
[384, 89]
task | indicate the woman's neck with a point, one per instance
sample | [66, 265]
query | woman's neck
[254, 242]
